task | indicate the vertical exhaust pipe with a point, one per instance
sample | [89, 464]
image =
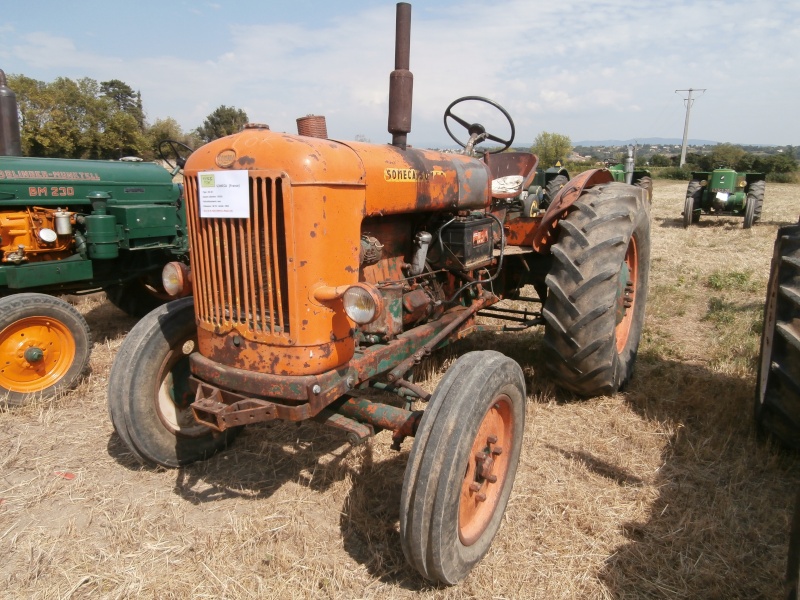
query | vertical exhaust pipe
[401, 80]
[10, 144]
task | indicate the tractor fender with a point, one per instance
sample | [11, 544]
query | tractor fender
[544, 236]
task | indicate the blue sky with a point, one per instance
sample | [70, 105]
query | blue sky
[590, 69]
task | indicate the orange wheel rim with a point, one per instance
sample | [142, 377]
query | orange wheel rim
[172, 396]
[486, 471]
[627, 295]
[35, 353]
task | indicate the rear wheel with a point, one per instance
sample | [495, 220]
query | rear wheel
[646, 183]
[149, 395]
[777, 398]
[45, 345]
[461, 469]
[553, 187]
[597, 290]
[691, 207]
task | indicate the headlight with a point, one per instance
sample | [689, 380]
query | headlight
[177, 280]
[362, 303]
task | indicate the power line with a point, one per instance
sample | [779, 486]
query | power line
[689, 103]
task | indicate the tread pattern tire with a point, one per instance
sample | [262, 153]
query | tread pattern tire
[147, 376]
[755, 191]
[777, 397]
[590, 332]
[646, 183]
[30, 320]
[553, 187]
[435, 541]
[691, 207]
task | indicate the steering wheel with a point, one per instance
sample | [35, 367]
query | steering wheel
[477, 132]
[172, 150]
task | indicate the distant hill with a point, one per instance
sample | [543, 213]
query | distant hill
[653, 141]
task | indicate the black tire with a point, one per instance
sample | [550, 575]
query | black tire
[553, 187]
[149, 372]
[138, 297]
[597, 290]
[45, 346]
[749, 213]
[646, 183]
[445, 528]
[777, 397]
[691, 207]
[793, 559]
[755, 193]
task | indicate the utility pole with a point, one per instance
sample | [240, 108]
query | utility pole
[688, 102]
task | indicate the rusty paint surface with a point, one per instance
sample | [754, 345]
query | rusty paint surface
[544, 236]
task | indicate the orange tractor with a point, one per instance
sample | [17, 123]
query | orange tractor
[323, 269]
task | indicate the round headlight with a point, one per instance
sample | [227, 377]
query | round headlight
[174, 277]
[362, 304]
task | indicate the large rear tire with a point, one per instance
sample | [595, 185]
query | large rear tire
[148, 392]
[691, 207]
[462, 466]
[45, 344]
[597, 290]
[749, 213]
[777, 397]
[646, 183]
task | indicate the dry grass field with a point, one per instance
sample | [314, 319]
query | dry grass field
[661, 491]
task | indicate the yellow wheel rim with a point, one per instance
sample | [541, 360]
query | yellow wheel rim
[35, 353]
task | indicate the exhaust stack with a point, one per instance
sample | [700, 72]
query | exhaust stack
[401, 80]
[10, 144]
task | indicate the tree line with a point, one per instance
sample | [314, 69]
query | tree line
[84, 118]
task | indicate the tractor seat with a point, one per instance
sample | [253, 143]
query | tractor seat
[512, 172]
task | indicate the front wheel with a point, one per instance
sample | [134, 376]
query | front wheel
[461, 469]
[597, 290]
[691, 207]
[45, 345]
[149, 395]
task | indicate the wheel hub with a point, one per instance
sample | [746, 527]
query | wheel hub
[484, 466]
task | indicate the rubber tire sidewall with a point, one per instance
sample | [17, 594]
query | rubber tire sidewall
[24, 305]
[134, 379]
[437, 463]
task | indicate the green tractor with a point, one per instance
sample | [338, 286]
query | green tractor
[71, 226]
[724, 192]
[544, 187]
[628, 173]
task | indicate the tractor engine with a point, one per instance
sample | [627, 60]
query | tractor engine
[35, 234]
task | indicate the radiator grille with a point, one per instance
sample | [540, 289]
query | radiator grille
[239, 265]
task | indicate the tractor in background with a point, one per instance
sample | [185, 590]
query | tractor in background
[628, 172]
[322, 271]
[72, 226]
[724, 192]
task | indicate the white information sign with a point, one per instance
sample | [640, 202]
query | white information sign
[224, 194]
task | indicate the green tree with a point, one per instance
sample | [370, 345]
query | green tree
[659, 160]
[551, 148]
[168, 129]
[225, 120]
[726, 155]
[78, 119]
[124, 99]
